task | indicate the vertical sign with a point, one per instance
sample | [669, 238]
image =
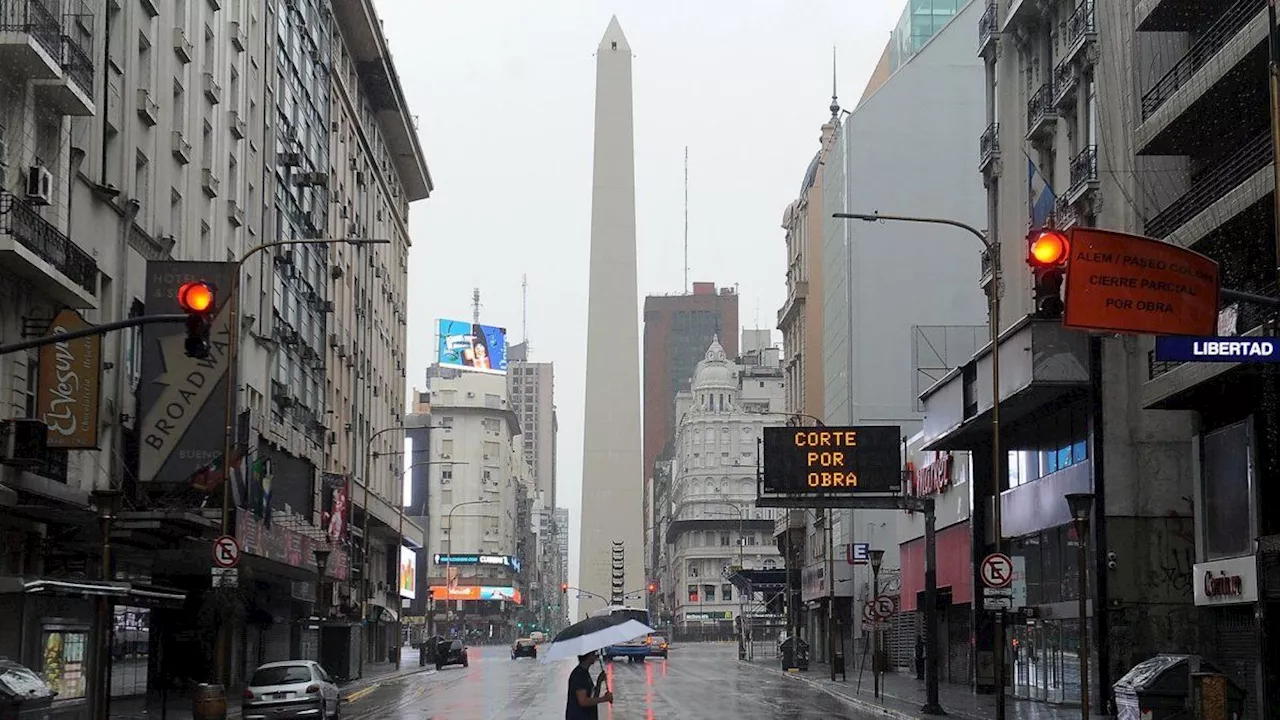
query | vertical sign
[70, 384]
[183, 399]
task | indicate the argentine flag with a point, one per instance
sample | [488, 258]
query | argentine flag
[1040, 194]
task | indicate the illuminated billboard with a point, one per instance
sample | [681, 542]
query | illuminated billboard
[408, 573]
[476, 592]
[472, 346]
[833, 460]
[507, 561]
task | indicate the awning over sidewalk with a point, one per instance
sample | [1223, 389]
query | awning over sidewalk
[377, 612]
[138, 593]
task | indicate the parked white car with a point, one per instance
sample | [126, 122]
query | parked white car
[291, 690]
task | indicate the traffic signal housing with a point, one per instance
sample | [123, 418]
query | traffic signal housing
[1048, 252]
[197, 299]
[564, 587]
[653, 587]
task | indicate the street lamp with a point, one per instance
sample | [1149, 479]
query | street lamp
[1081, 505]
[322, 608]
[992, 250]
[448, 558]
[877, 559]
[105, 503]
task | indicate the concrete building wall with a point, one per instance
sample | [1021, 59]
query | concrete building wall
[531, 388]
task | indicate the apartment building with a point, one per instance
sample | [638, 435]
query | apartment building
[531, 389]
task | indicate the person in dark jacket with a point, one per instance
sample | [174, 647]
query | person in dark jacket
[583, 702]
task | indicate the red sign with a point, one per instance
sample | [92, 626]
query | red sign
[287, 546]
[1133, 284]
[932, 478]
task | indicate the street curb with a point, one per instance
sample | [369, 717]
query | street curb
[856, 703]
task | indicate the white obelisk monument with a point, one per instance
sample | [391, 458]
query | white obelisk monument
[611, 554]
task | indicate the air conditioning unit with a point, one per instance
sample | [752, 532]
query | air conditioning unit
[290, 159]
[39, 185]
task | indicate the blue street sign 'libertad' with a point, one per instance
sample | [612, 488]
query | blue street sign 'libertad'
[1218, 349]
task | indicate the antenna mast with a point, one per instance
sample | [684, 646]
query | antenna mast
[686, 219]
[524, 308]
[475, 306]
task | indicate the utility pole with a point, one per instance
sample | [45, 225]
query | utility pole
[1273, 49]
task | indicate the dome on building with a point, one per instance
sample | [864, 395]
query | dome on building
[714, 385]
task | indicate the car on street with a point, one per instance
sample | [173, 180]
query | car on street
[291, 690]
[524, 647]
[450, 652]
[657, 646]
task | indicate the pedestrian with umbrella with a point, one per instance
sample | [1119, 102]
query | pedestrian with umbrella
[583, 640]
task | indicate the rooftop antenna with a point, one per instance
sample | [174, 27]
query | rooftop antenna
[686, 219]
[475, 306]
[835, 103]
[524, 310]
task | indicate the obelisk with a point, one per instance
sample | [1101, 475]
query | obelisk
[611, 553]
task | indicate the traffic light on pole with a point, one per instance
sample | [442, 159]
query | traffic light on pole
[197, 300]
[564, 587]
[653, 587]
[1048, 252]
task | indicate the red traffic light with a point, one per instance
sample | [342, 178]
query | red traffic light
[196, 297]
[564, 587]
[1048, 248]
[653, 587]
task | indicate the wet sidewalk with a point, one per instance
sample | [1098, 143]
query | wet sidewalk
[903, 696]
[178, 706]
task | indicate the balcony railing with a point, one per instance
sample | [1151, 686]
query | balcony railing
[77, 64]
[1064, 82]
[1208, 188]
[1213, 40]
[988, 25]
[1040, 106]
[38, 18]
[47, 242]
[989, 144]
[1081, 23]
[1084, 167]
[1065, 215]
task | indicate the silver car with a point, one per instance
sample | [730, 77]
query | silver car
[294, 689]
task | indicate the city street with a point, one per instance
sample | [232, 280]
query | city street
[699, 680]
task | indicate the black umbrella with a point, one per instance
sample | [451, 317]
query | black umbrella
[592, 634]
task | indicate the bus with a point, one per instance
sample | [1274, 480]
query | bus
[635, 650]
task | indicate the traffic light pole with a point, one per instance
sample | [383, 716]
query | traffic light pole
[993, 321]
[95, 330]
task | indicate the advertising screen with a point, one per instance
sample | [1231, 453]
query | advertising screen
[833, 460]
[476, 592]
[509, 561]
[408, 573]
[471, 346]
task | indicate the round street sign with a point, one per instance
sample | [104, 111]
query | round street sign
[226, 552]
[997, 570]
[869, 611]
[884, 607]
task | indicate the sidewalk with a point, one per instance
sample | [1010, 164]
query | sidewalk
[903, 696]
[149, 707]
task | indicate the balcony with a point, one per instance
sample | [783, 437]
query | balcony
[209, 182]
[182, 46]
[1081, 32]
[235, 213]
[796, 300]
[1041, 114]
[180, 147]
[1228, 25]
[32, 247]
[1065, 214]
[1021, 12]
[71, 94]
[989, 147]
[1226, 175]
[238, 39]
[238, 125]
[31, 38]
[212, 90]
[148, 109]
[1066, 79]
[1084, 174]
[988, 30]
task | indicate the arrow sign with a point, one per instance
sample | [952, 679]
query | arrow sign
[226, 552]
[997, 570]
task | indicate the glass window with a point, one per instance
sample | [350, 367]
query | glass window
[1051, 568]
[64, 668]
[726, 592]
[1226, 491]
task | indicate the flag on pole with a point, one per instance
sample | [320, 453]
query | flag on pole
[1040, 194]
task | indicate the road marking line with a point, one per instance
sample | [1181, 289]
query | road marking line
[363, 692]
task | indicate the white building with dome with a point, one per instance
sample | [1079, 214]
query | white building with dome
[712, 525]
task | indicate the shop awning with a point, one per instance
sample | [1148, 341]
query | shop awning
[128, 592]
[377, 612]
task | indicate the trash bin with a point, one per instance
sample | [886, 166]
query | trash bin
[839, 663]
[794, 652]
[209, 702]
[24, 695]
[1161, 688]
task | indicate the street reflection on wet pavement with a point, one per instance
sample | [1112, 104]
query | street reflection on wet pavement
[698, 681]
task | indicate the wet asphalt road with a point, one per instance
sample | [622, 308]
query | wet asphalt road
[698, 681]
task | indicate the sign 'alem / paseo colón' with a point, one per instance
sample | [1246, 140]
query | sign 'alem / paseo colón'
[832, 459]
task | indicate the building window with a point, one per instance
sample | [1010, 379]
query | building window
[1226, 462]
[726, 592]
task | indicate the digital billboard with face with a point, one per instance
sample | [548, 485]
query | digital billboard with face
[833, 460]
[472, 346]
[408, 573]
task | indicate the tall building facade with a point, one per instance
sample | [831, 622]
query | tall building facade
[531, 389]
[677, 330]
[710, 525]
[612, 521]
[195, 131]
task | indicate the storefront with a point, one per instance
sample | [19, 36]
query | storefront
[1226, 593]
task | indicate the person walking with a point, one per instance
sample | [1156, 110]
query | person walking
[583, 702]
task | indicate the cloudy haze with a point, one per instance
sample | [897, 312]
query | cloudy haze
[504, 94]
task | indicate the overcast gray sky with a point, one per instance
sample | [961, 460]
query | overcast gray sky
[504, 93]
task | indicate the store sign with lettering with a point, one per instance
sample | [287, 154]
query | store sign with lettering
[930, 479]
[1226, 582]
